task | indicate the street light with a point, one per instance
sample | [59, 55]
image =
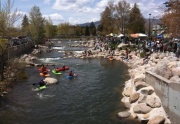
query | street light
[149, 26]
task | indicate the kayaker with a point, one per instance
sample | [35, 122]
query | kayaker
[43, 69]
[56, 70]
[70, 73]
[64, 68]
[41, 83]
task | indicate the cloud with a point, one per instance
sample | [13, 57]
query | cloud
[54, 17]
[70, 4]
[47, 1]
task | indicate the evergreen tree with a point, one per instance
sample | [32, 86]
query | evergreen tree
[87, 33]
[136, 21]
[92, 29]
[25, 26]
[106, 21]
[36, 25]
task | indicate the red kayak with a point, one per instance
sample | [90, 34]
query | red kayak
[62, 69]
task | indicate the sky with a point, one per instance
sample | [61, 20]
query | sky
[81, 11]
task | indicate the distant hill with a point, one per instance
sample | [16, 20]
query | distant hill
[153, 22]
[88, 23]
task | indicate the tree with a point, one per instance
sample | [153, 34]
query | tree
[92, 29]
[25, 26]
[136, 21]
[106, 21]
[121, 15]
[171, 17]
[87, 33]
[7, 19]
[36, 25]
[50, 30]
[63, 29]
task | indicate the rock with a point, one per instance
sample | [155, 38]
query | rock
[153, 101]
[141, 108]
[127, 105]
[134, 97]
[146, 116]
[176, 71]
[142, 98]
[140, 77]
[127, 91]
[147, 90]
[134, 116]
[140, 85]
[157, 120]
[50, 80]
[175, 79]
[124, 114]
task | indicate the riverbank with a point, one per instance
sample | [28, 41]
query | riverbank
[139, 98]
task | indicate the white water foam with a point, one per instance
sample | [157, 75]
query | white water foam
[77, 52]
[58, 48]
[49, 59]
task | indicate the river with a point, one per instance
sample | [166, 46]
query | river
[94, 97]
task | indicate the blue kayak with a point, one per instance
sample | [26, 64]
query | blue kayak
[69, 77]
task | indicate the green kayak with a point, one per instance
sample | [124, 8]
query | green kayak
[42, 87]
[53, 71]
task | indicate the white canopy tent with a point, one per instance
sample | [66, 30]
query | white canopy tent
[121, 35]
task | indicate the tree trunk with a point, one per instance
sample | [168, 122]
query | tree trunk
[1, 68]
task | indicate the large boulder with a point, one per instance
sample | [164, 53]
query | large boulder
[153, 101]
[176, 71]
[50, 80]
[141, 108]
[147, 90]
[134, 97]
[140, 85]
[157, 120]
[175, 79]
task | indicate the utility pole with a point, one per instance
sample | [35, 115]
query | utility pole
[149, 33]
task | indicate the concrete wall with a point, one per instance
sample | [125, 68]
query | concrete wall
[169, 93]
[18, 50]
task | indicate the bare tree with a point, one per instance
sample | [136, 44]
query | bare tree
[8, 17]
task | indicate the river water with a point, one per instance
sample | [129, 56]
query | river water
[94, 97]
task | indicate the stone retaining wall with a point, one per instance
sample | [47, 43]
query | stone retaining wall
[168, 92]
[18, 50]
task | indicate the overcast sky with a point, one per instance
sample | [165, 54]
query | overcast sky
[81, 11]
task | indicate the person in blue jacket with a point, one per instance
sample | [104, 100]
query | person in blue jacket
[41, 83]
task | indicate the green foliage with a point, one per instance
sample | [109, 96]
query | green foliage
[136, 21]
[50, 30]
[18, 68]
[92, 29]
[106, 21]
[36, 25]
[87, 33]
[63, 29]
[25, 26]
[142, 54]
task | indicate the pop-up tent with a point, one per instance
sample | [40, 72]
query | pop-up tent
[120, 35]
[138, 35]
